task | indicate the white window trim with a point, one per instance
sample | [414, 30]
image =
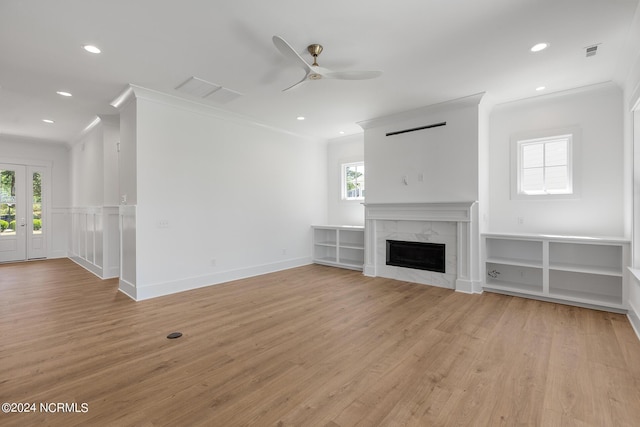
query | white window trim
[573, 150]
[343, 183]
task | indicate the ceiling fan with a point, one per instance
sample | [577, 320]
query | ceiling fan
[314, 71]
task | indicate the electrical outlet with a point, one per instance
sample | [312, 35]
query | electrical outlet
[213, 262]
[520, 220]
[284, 251]
[163, 223]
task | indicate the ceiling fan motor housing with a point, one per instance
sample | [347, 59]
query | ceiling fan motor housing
[315, 50]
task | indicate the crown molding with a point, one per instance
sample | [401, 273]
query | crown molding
[420, 113]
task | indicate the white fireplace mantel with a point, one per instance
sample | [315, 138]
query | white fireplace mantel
[464, 214]
[441, 211]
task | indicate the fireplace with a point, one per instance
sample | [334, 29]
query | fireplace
[453, 224]
[418, 255]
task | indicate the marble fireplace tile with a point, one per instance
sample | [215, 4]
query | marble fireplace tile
[418, 231]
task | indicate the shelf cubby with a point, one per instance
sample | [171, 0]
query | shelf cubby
[514, 277]
[515, 252]
[586, 258]
[594, 288]
[339, 246]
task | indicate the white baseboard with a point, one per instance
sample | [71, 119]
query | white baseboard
[87, 265]
[167, 288]
[112, 273]
[468, 286]
[369, 270]
[127, 288]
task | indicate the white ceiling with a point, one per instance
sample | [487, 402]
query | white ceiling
[429, 50]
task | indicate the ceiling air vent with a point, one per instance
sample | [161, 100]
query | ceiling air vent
[197, 87]
[591, 50]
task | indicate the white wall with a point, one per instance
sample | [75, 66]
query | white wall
[127, 157]
[347, 149]
[599, 211]
[632, 136]
[111, 138]
[94, 165]
[218, 197]
[128, 196]
[446, 157]
[87, 169]
[484, 112]
[17, 149]
[634, 286]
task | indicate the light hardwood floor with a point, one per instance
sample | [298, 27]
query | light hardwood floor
[312, 346]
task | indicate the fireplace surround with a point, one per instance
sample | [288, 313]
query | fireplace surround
[454, 224]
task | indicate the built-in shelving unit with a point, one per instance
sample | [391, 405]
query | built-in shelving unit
[575, 270]
[339, 246]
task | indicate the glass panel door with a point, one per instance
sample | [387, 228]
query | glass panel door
[12, 213]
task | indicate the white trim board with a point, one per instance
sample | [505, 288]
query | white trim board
[167, 288]
[633, 313]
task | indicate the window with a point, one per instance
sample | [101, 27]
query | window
[37, 203]
[544, 166]
[353, 181]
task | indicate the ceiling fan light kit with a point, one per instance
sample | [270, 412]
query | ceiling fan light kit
[314, 71]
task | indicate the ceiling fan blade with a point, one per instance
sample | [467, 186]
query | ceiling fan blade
[297, 84]
[352, 75]
[286, 50]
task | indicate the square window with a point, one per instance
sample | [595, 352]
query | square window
[353, 181]
[544, 166]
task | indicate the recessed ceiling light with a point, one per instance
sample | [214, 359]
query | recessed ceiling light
[538, 47]
[539, 88]
[341, 132]
[63, 93]
[300, 118]
[48, 121]
[91, 48]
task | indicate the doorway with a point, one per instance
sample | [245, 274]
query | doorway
[23, 222]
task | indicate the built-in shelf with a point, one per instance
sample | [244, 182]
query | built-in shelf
[339, 246]
[515, 262]
[574, 270]
[579, 268]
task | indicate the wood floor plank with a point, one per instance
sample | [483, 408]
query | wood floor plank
[312, 346]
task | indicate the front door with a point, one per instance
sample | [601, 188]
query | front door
[22, 219]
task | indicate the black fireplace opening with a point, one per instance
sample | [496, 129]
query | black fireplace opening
[419, 255]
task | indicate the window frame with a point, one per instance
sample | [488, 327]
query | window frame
[572, 136]
[343, 181]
